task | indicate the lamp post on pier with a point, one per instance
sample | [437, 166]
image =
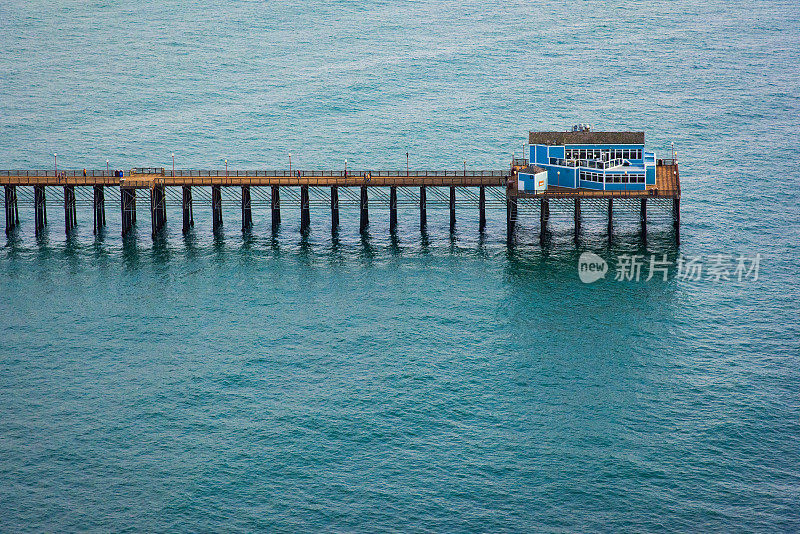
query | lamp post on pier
[290, 163]
[55, 163]
[406, 163]
[106, 166]
[465, 168]
[226, 168]
[345, 168]
[173, 165]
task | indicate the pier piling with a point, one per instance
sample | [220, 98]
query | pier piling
[511, 217]
[610, 218]
[305, 215]
[275, 205]
[643, 217]
[39, 208]
[452, 208]
[187, 208]
[247, 211]
[158, 209]
[334, 208]
[364, 217]
[577, 217]
[393, 208]
[216, 206]
[676, 218]
[482, 208]
[10, 203]
[128, 208]
[423, 207]
[98, 207]
[70, 215]
[544, 217]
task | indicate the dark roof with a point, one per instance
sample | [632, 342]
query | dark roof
[586, 138]
[531, 169]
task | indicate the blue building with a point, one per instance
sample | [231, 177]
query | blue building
[581, 158]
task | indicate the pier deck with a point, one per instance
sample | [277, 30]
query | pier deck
[156, 180]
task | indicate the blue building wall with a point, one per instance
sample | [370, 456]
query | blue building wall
[540, 155]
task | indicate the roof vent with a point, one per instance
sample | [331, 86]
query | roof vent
[581, 128]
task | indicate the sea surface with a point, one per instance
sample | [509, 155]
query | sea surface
[426, 381]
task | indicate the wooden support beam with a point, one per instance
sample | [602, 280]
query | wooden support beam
[247, 211]
[610, 218]
[643, 216]
[70, 214]
[158, 209]
[577, 217]
[511, 217]
[128, 208]
[98, 207]
[482, 208]
[423, 207]
[9, 202]
[364, 217]
[334, 208]
[393, 208]
[452, 208]
[39, 208]
[544, 216]
[216, 206]
[275, 204]
[676, 218]
[305, 212]
[187, 208]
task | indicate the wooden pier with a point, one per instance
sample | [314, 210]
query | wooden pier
[158, 180]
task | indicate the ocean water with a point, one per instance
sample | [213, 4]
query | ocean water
[426, 381]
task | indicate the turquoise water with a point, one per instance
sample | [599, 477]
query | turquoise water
[426, 382]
